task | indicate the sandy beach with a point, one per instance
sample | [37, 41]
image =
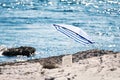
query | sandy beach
[59, 39]
[86, 65]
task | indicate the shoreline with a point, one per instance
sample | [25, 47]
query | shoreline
[75, 57]
[87, 65]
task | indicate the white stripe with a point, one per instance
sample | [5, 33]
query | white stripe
[74, 33]
[71, 35]
[76, 30]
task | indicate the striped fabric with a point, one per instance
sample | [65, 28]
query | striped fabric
[74, 32]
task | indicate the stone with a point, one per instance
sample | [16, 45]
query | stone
[51, 78]
[67, 61]
[23, 50]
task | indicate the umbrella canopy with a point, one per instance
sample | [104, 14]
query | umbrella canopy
[74, 32]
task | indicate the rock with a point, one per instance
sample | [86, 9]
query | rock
[23, 50]
[51, 78]
[90, 53]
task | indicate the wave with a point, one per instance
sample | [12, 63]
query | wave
[90, 6]
[23, 3]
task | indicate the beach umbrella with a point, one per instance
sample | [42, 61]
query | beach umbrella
[74, 32]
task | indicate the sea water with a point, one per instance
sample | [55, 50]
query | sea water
[30, 23]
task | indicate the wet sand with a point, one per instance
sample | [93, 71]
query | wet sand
[87, 65]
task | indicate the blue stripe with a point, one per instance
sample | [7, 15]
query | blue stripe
[71, 34]
[75, 36]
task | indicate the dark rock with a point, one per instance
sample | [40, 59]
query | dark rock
[113, 69]
[51, 78]
[49, 66]
[23, 50]
[68, 79]
[91, 53]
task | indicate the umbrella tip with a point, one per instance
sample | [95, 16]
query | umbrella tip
[92, 42]
[54, 24]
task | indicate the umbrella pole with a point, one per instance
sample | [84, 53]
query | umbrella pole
[67, 59]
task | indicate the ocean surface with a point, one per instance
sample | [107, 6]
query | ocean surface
[30, 23]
